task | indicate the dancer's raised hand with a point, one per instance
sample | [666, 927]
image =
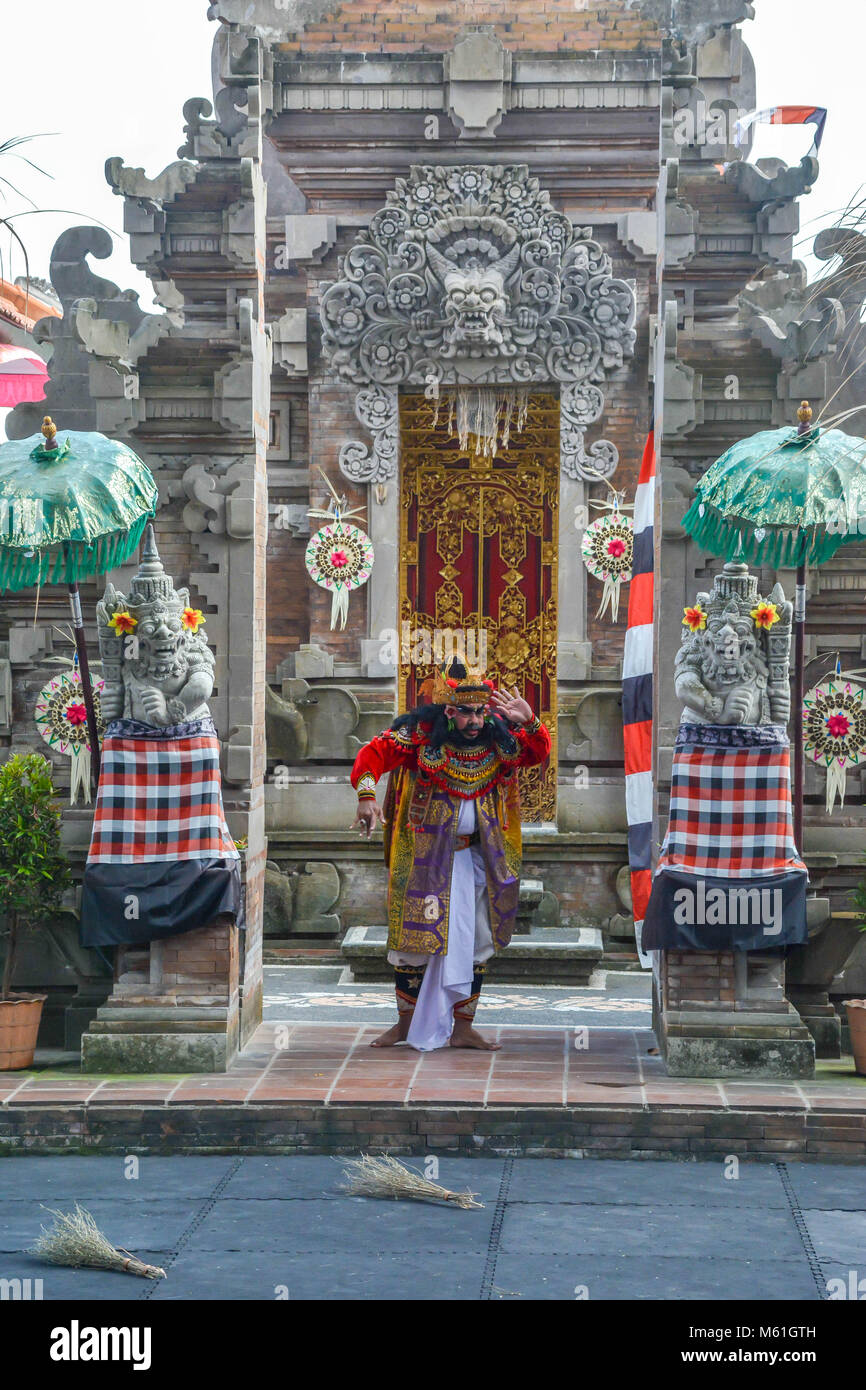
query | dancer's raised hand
[512, 707]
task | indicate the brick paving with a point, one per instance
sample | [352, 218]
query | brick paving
[317, 1087]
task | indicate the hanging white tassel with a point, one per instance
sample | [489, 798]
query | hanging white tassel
[836, 781]
[339, 606]
[79, 774]
[610, 596]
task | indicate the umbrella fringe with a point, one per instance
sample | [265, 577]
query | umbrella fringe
[71, 562]
[781, 548]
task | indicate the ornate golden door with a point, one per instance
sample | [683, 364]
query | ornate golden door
[478, 560]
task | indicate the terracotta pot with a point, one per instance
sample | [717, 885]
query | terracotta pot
[857, 1023]
[19, 1025]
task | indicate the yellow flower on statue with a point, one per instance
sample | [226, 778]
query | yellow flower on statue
[765, 615]
[192, 619]
[695, 619]
[122, 622]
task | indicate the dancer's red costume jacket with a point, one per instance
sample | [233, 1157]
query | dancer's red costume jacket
[422, 806]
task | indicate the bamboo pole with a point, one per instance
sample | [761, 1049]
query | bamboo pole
[86, 686]
[799, 666]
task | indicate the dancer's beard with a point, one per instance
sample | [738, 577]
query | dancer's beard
[459, 740]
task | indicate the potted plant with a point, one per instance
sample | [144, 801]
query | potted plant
[857, 1007]
[34, 875]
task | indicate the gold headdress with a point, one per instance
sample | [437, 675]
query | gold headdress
[451, 689]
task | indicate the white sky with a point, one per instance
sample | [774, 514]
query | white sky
[111, 76]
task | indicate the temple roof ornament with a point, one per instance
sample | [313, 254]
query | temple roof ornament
[469, 275]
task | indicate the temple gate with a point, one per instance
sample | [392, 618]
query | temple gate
[478, 563]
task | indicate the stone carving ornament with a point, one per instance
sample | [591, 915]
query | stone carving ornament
[469, 275]
[581, 404]
[376, 409]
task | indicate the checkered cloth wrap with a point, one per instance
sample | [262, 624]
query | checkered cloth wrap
[159, 795]
[730, 809]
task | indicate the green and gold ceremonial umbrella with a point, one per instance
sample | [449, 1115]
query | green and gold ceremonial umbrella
[70, 510]
[785, 498]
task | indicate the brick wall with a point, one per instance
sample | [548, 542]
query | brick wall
[430, 26]
[703, 977]
[288, 599]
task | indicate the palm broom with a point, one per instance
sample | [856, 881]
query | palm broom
[387, 1177]
[76, 1240]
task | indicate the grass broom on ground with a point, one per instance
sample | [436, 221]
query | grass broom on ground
[387, 1177]
[76, 1240]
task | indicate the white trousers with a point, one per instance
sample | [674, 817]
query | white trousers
[448, 979]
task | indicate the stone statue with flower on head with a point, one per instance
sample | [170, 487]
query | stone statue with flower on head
[732, 665]
[161, 860]
[157, 665]
[729, 876]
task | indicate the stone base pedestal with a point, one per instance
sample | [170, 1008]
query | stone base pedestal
[720, 1044]
[820, 1018]
[174, 1007]
[724, 1014]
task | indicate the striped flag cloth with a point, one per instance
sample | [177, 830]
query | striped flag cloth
[637, 695]
[784, 115]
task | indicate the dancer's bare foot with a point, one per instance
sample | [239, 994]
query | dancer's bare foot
[397, 1034]
[464, 1035]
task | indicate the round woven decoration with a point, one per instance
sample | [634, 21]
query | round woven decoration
[60, 714]
[339, 556]
[607, 546]
[834, 729]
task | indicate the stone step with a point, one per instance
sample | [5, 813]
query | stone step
[546, 955]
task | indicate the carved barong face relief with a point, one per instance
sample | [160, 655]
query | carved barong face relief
[161, 645]
[468, 274]
[727, 650]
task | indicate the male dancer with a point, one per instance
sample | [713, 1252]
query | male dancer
[452, 844]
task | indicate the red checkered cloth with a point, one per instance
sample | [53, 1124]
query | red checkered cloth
[730, 810]
[159, 795]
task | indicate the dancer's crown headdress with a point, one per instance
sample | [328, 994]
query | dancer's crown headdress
[452, 689]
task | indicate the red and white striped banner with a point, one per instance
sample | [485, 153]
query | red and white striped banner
[637, 695]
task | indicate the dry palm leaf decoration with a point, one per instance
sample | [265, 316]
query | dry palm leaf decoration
[387, 1177]
[76, 1240]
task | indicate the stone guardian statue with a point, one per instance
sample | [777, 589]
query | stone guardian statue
[161, 860]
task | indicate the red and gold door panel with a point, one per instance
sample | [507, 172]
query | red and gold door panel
[478, 564]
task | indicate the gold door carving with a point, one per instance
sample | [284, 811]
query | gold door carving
[478, 554]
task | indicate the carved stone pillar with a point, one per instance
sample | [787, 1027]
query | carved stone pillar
[193, 398]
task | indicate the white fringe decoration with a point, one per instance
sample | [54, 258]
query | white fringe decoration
[486, 413]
